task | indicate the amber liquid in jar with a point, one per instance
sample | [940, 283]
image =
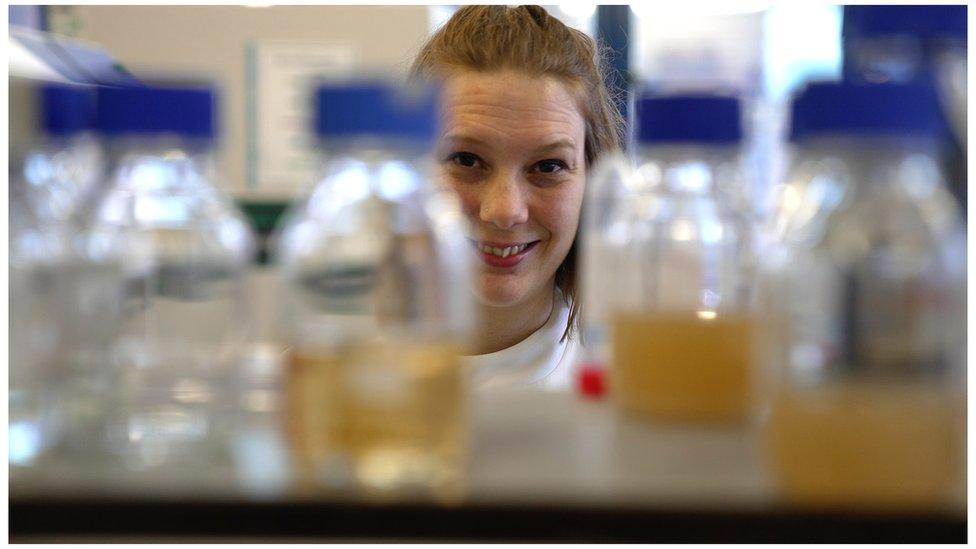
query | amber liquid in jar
[682, 368]
[386, 416]
[864, 444]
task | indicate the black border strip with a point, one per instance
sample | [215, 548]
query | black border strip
[330, 520]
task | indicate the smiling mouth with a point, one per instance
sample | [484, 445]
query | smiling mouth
[503, 254]
[504, 251]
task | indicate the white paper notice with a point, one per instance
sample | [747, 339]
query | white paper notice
[281, 155]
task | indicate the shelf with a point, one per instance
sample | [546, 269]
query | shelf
[545, 466]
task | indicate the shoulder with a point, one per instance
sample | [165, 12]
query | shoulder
[542, 360]
[556, 372]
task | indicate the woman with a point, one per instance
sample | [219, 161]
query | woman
[525, 114]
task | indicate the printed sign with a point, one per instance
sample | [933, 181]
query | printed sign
[281, 155]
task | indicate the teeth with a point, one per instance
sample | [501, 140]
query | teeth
[503, 252]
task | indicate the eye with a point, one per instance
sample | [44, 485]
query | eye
[551, 166]
[464, 159]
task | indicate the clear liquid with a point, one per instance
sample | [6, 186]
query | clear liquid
[674, 367]
[33, 334]
[174, 360]
[161, 420]
[189, 322]
[384, 416]
[865, 444]
[67, 338]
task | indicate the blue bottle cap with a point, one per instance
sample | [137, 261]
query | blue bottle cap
[374, 109]
[924, 22]
[185, 111]
[692, 118]
[846, 108]
[66, 109]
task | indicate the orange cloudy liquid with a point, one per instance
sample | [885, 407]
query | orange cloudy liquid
[392, 414]
[864, 444]
[675, 367]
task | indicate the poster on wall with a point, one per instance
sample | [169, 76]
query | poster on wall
[281, 158]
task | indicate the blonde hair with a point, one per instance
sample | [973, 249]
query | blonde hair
[529, 40]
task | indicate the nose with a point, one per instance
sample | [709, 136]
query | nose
[503, 203]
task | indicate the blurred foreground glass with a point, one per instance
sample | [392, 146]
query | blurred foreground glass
[185, 247]
[65, 168]
[667, 260]
[64, 292]
[903, 43]
[895, 43]
[37, 248]
[377, 305]
[863, 304]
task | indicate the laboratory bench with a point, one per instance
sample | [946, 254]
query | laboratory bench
[544, 466]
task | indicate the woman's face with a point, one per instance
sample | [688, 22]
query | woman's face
[512, 147]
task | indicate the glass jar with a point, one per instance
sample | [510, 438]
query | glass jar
[185, 248]
[863, 304]
[669, 250]
[376, 304]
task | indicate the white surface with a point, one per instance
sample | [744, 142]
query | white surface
[24, 64]
[555, 446]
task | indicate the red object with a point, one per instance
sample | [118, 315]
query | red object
[592, 380]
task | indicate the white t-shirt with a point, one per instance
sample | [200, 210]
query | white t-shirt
[538, 361]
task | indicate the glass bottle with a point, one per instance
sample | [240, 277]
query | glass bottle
[34, 247]
[906, 43]
[65, 293]
[376, 305]
[185, 248]
[674, 252]
[863, 304]
[896, 43]
[64, 169]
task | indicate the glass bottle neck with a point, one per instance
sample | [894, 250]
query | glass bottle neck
[160, 161]
[881, 147]
[164, 146]
[368, 148]
[687, 169]
[867, 159]
[67, 140]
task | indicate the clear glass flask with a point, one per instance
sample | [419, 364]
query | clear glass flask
[670, 250]
[377, 302]
[185, 247]
[863, 304]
